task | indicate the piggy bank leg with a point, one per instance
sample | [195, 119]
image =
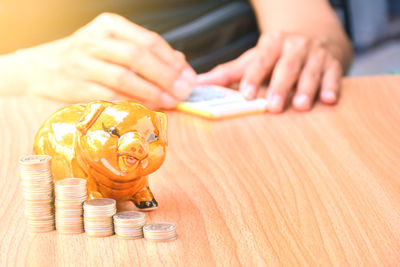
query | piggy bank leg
[144, 199]
[93, 191]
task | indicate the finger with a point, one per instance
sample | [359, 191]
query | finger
[227, 73]
[286, 72]
[267, 53]
[176, 81]
[83, 92]
[310, 79]
[331, 81]
[125, 82]
[119, 27]
[90, 91]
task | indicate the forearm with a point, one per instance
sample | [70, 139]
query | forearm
[12, 75]
[312, 18]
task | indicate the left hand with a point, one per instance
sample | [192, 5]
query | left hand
[290, 62]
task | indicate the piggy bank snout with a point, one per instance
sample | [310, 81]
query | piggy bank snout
[133, 144]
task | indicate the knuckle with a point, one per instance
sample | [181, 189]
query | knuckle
[180, 55]
[302, 42]
[102, 25]
[288, 44]
[180, 61]
[152, 40]
[268, 38]
[320, 53]
[277, 36]
[105, 17]
[264, 40]
[315, 59]
[297, 43]
[321, 42]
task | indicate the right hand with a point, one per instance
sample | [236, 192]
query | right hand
[109, 58]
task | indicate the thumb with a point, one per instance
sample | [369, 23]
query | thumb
[227, 73]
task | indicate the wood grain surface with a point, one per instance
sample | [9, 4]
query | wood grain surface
[319, 188]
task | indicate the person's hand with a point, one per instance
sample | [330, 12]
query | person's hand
[290, 63]
[109, 58]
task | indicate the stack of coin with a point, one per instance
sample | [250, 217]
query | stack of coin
[129, 224]
[98, 216]
[70, 194]
[37, 187]
[160, 232]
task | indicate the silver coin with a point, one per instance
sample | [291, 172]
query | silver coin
[100, 202]
[159, 227]
[162, 240]
[71, 182]
[34, 159]
[129, 215]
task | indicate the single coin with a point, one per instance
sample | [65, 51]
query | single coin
[160, 232]
[159, 227]
[129, 216]
[129, 237]
[34, 159]
[99, 202]
[71, 182]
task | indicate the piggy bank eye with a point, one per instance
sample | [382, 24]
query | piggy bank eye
[111, 130]
[152, 138]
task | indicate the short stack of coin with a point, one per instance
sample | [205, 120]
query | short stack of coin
[160, 232]
[129, 224]
[37, 187]
[98, 216]
[70, 194]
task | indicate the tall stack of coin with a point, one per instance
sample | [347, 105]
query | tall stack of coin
[129, 224]
[98, 216]
[160, 232]
[70, 194]
[37, 187]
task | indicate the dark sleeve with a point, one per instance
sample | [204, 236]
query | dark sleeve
[208, 32]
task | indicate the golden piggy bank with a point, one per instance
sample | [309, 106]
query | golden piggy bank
[115, 146]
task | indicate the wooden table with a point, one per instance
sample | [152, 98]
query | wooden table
[318, 188]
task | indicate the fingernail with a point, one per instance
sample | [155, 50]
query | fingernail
[275, 103]
[328, 97]
[189, 75]
[168, 101]
[248, 91]
[302, 102]
[182, 89]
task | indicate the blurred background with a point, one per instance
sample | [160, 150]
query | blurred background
[373, 26]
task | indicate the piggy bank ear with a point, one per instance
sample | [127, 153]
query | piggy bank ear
[161, 120]
[90, 115]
